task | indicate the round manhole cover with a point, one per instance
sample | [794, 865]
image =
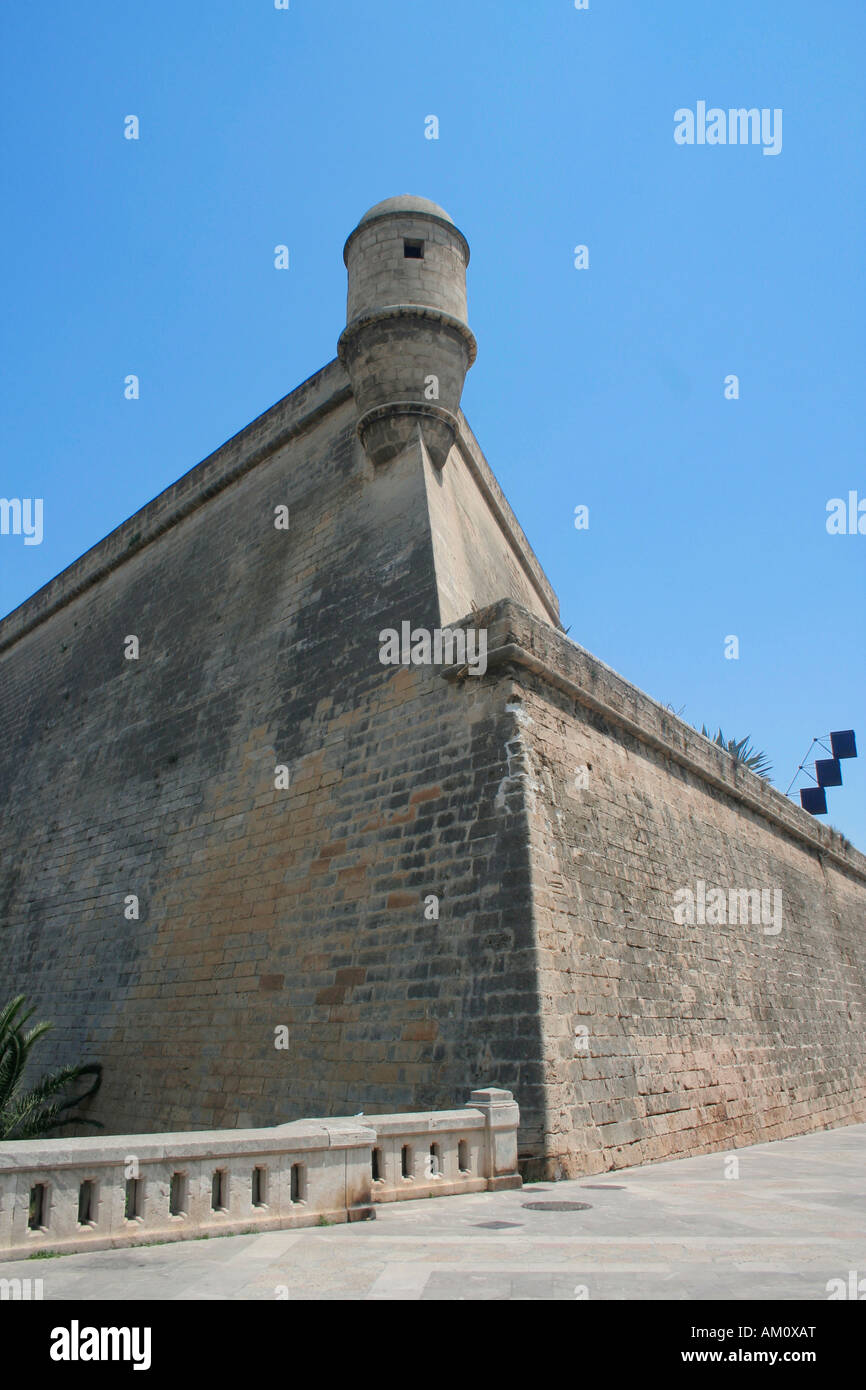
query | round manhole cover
[556, 1206]
[601, 1187]
[499, 1225]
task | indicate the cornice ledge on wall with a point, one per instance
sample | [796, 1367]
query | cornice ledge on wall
[515, 637]
[292, 416]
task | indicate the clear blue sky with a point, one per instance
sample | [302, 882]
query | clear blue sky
[602, 387]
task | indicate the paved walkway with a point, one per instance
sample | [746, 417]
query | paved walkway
[793, 1219]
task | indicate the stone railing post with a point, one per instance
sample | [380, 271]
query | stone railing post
[501, 1120]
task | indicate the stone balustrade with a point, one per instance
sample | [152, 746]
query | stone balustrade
[139, 1189]
[447, 1151]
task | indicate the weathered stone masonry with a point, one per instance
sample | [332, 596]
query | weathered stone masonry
[697, 1037]
[305, 908]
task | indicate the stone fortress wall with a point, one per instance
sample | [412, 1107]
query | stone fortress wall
[670, 1028]
[286, 960]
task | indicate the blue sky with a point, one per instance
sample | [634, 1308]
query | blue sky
[602, 387]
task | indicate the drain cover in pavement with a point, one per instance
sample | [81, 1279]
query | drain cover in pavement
[498, 1225]
[556, 1206]
[601, 1187]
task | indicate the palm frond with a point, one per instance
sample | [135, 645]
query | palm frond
[26, 1114]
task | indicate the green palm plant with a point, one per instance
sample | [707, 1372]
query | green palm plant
[742, 750]
[28, 1114]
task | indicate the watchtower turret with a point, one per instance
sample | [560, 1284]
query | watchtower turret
[406, 345]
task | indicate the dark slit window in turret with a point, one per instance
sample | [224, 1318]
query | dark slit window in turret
[413, 250]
